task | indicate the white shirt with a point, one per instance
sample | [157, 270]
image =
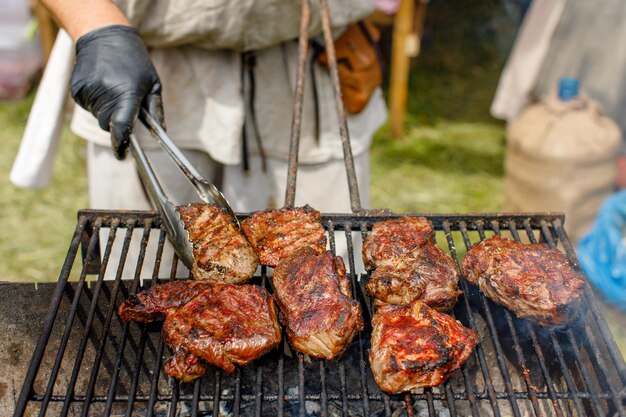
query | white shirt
[202, 87]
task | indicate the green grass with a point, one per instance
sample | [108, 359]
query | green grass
[451, 167]
[451, 157]
[37, 224]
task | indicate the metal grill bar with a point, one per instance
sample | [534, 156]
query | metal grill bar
[125, 360]
[66, 334]
[466, 378]
[479, 349]
[120, 356]
[593, 342]
[553, 339]
[107, 323]
[520, 395]
[537, 346]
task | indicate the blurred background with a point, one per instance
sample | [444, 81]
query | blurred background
[442, 150]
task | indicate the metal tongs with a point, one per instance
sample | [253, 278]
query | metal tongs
[207, 192]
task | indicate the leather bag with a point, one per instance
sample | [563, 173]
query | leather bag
[357, 63]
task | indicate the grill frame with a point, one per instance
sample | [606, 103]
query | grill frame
[596, 365]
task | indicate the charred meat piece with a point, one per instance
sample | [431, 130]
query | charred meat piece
[415, 346]
[427, 274]
[220, 251]
[225, 325]
[534, 281]
[218, 324]
[395, 238]
[409, 265]
[157, 301]
[313, 294]
[277, 234]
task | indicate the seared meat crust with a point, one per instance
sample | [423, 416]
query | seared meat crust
[395, 238]
[415, 346]
[409, 265]
[219, 324]
[396, 283]
[221, 253]
[277, 234]
[314, 296]
[225, 325]
[534, 281]
[428, 274]
[157, 301]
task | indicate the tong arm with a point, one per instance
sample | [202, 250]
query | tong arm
[206, 191]
[171, 218]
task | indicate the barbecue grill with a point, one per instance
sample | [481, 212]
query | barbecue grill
[88, 362]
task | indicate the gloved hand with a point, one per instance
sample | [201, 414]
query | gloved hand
[112, 78]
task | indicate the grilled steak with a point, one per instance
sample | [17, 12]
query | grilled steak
[395, 238]
[277, 234]
[532, 280]
[427, 274]
[313, 293]
[225, 325]
[220, 324]
[415, 346]
[408, 265]
[220, 251]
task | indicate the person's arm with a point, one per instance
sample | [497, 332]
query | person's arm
[113, 76]
[78, 17]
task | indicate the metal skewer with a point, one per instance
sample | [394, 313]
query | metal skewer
[296, 121]
[303, 40]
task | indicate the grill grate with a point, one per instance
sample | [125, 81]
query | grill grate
[88, 362]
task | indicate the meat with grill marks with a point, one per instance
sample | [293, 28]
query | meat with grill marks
[277, 234]
[408, 265]
[534, 281]
[428, 274]
[396, 238]
[414, 346]
[313, 294]
[206, 323]
[221, 253]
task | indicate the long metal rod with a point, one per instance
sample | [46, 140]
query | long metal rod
[555, 340]
[563, 361]
[605, 332]
[479, 350]
[107, 324]
[361, 342]
[329, 44]
[156, 372]
[90, 315]
[113, 386]
[471, 396]
[593, 344]
[55, 303]
[496, 342]
[296, 121]
[539, 351]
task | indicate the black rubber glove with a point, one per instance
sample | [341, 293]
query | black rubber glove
[112, 78]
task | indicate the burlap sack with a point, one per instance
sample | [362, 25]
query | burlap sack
[560, 156]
